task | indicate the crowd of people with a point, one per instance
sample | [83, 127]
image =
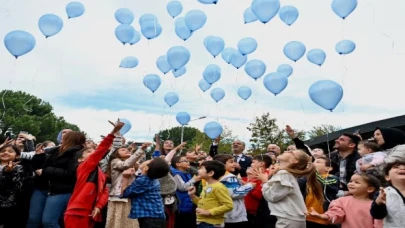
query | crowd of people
[76, 183]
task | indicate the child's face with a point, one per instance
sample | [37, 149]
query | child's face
[7, 155]
[144, 167]
[287, 158]
[363, 150]
[183, 164]
[202, 172]
[396, 174]
[257, 164]
[191, 155]
[359, 186]
[124, 153]
[321, 166]
[230, 165]
[86, 154]
[317, 153]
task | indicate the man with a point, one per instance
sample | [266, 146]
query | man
[345, 158]
[243, 162]
[273, 151]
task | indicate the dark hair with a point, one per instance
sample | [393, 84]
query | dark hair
[157, 168]
[328, 163]
[46, 143]
[353, 138]
[15, 148]
[374, 147]
[214, 166]
[71, 139]
[176, 159]
[391, 165]
[223, 158]
[372, 181]
[113, 156]
[79, 154]
[264, 158]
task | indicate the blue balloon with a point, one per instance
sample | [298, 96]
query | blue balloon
[181, 29]
[316, 56]
[249, 16]
[74, 9]
[294, 50]
[127, 126]
[285, 69]
[50, 24]
[288, 14]
[244, 92]
[227, 54]
[129, 62]
[19, 42]
[343, 8]
[247, 45]
[213, 129]
[171, 98]
[147, 18]
[255, 68]
[195, 19]
[125, 33]
[345, 47]
[275, 82]
[214, 45]
[136, 38]
[238, 60]
[152, 82]
[217, 94]
[179, 72]
[163, 64]
[174, 8]
[124, 16]
[151, 30]
[326, 93]
[178, 56]
[265, 10]
[208, 1]
[212, 73]
[204, 85]
[183, 118]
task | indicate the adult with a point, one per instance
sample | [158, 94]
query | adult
[55, 180]
[392, 142]
[345, 156]
[273, 151]
[243, 162]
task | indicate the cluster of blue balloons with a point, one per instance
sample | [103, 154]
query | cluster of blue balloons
[265, 10]
[175, 60]
[191, 22]
[20, 42]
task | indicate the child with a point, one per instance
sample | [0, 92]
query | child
[283, 192]
[330, 186]
[144, 192]
[11, 183]
[370, 157]
[238, 216]
[90, 194]
[186, 216]
[214, 200]
[260, 164]
[354, 210]
[390, 204]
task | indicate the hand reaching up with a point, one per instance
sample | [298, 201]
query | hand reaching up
[117, 127]
[382, 197]
[290, 131]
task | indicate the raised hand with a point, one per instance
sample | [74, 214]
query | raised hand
[382, 197]
[128, 173]
[146, 145]
[117, 127]
[290, 131]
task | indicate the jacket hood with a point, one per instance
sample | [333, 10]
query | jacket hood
[392, 137]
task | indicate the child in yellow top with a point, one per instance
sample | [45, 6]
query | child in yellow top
[214, 200]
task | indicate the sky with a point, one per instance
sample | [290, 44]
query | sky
[78, 72]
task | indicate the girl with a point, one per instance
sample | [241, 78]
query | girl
[119, 209]
[370, 157]
[168, 146]
[283, 192]
[11, 181]
[354, 210]
[55, 178]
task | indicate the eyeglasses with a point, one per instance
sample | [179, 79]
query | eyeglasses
[185, 161]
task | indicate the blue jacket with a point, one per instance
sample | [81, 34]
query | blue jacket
[185, 204]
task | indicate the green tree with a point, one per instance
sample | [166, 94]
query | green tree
[20, 111]
[322, 130]
[174, 134]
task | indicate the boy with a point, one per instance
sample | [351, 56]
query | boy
[238, 216]
[390, 203]
[214, 201]
[144, 192]
[330, 185]
[90, 194]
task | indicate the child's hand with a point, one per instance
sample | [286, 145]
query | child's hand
[117, 127]
[196, 178]
[128, 173]
[191, 191]
[181, 146]
[365, 167]
[203, 212]
[95, 212]
[38, 172]
[10, 166]
[316, 214]
[145, 145]
[382, 197]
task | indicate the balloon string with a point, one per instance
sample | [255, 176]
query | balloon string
[4, 105]
[382, 33]
[342, 31]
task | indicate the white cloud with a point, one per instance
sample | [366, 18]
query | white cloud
[85, 57]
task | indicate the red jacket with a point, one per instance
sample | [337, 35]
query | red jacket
[253, 198]
[90, 189]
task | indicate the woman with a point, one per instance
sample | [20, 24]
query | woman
[55, 180]
[392, 142]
